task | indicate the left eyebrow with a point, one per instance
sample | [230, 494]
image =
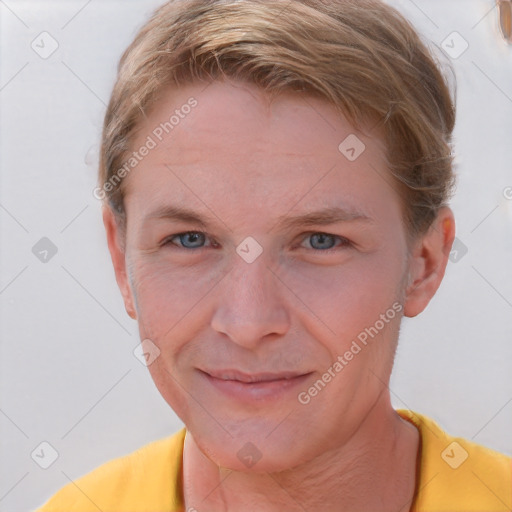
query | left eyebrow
[326, 216]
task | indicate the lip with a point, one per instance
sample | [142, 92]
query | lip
[249, 387]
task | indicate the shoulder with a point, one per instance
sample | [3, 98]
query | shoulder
[458, 475]
[147, 479]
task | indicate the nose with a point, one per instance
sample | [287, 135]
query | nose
[250, 305]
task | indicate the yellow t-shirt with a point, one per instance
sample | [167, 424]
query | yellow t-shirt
[454, 475]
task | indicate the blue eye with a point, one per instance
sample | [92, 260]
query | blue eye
[188, 240]
[325, 241]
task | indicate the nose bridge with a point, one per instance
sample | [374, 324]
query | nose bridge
[250, 304]
[253, 283]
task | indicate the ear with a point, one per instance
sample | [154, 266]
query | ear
[117, 253]
[428, 261]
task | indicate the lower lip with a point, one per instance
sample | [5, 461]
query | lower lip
[250, 391]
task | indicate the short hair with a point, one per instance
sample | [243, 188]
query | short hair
[361, 56]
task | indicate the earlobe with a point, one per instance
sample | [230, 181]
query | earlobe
[117, 254]
[428, 262]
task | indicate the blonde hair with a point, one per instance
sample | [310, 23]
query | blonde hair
[361, 56]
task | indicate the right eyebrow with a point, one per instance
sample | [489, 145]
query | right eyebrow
[179, 213]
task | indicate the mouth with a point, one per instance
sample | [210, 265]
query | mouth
[254, 386]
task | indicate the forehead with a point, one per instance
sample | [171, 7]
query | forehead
[231, 143]
[238, 116]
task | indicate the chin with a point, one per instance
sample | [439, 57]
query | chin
[248, 457]
[255, 448]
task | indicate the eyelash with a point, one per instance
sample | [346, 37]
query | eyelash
[344, 242]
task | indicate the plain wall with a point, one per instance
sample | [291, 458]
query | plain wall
[68, 373]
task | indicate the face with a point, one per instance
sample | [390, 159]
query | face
[258, 255]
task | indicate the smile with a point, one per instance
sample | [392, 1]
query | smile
[258, 386]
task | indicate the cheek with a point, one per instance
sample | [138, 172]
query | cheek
[337, 302]
[171, 312]
[169, 298]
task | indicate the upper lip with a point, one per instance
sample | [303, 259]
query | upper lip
[252, 377]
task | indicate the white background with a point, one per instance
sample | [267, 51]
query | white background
[68, 373]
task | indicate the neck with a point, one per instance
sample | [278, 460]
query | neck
[375, 470]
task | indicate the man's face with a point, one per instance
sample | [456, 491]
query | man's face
[244, 336]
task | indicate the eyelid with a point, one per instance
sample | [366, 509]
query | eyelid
[344, 241]
[168, 239]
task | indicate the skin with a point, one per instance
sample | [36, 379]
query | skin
[245, 161]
